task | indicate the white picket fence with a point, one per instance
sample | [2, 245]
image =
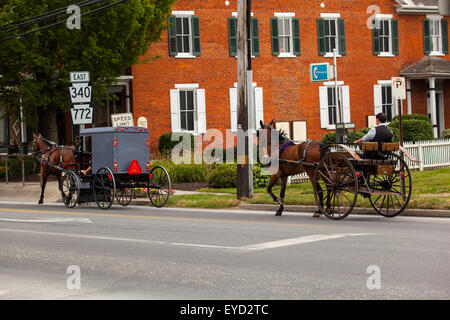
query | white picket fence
[432, 154]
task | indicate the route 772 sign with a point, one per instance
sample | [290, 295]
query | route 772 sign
[82, 114]
[398, 88]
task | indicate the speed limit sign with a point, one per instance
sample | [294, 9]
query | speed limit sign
[80, 92]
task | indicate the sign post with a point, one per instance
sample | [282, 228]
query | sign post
[399, 94]
[80, 90]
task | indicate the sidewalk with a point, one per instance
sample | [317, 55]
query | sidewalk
[14, 191]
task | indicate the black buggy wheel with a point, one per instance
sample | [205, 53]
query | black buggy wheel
[159, 187]
[104, 188]
[335, 186]
[124, 196]
[391, 191]
[70, 189]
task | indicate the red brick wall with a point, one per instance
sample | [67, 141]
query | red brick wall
[288, 92]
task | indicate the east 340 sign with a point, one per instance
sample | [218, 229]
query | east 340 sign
[81, 96]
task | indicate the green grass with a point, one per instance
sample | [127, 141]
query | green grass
[431, 190]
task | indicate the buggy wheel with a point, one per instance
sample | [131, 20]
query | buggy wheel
[124, 196]
[335, 186]
[104, 188]
[159, 187]
[391, 192]
[70, 189]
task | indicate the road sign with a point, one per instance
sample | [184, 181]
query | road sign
[320, 72]
[398, 88]
[80, 92]
[80, 76]
[122, 120]
[82, 114]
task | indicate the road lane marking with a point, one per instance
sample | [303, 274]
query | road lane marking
[253, 247]
[296, 241]
[49, 220]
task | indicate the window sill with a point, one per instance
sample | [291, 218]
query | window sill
[386, 55]
[436, 54]
[286, 55]
[331, 55]
[185, 56]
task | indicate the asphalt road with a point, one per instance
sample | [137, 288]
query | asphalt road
[50, 252]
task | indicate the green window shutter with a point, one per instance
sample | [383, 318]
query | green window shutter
[296, 35]
[321, 36]
[341, 30]
[375, 38]
[274, 33]
[395, 49]
[426, 36]
[172, 36]
[232, 36]
[195, 36]
[444, 28]
[255, 37]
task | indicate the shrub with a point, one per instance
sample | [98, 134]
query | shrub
[258, 179]
[413, 130]
[166, 144]
[406, 117]
[179, 173]
[223, 176]
[330, 137]
[445, 134]
[15, 167]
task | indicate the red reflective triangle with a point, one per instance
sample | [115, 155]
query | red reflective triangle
[134, 168]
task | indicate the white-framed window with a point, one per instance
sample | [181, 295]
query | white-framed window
[187, 108]
[383, 101]
[331, 35]
[435, 35]
[435, 32]
[259, 106]
[184, 34]
[285, 33]
[329, 111]
[385, 35]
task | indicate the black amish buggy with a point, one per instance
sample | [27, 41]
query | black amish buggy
[120, 162]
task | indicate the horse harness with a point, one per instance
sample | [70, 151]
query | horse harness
[46, 156]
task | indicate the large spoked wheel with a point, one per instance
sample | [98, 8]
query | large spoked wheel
[159, 187]
[104, 188]
[391, 191]
[70, 189]
[124, 196]
[335, 186]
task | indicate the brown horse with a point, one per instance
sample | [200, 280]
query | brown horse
[49, 155]
[288, 154]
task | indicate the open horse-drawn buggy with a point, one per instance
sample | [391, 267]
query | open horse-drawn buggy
[340, 174]
[119, 163]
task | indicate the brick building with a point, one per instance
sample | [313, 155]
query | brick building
[192, 86]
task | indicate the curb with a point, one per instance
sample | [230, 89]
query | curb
[359, 211]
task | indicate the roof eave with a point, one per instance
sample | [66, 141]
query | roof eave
[411, 9]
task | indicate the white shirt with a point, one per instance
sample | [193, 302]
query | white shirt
[372, 132]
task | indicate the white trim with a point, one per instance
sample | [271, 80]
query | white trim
[435, 17]
[184, 55]
[330, 15]
[182, 13]
[332, 83]
[286, 55]
[386, 55]
[384, 82]
[331, 55]
[436, 54]
[253, 84]
[186, 86]
[284, 14]
[235, 14]
[384, 16]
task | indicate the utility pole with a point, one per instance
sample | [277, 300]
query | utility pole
[244, 91]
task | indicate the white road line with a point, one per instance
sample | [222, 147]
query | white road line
[296, 241]
[253, 247]
[49, 220]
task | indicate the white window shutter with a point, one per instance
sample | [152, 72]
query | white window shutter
[175, 110]
[346, 103]
[378, 104]
[201, 111]
[259, 107]
[323, 97]
[233, 109]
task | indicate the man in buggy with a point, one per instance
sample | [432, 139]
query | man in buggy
[381, 133]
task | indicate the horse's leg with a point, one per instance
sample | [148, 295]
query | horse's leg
[44, 176]
[284, 180]
[273, 179]
[318, 188]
